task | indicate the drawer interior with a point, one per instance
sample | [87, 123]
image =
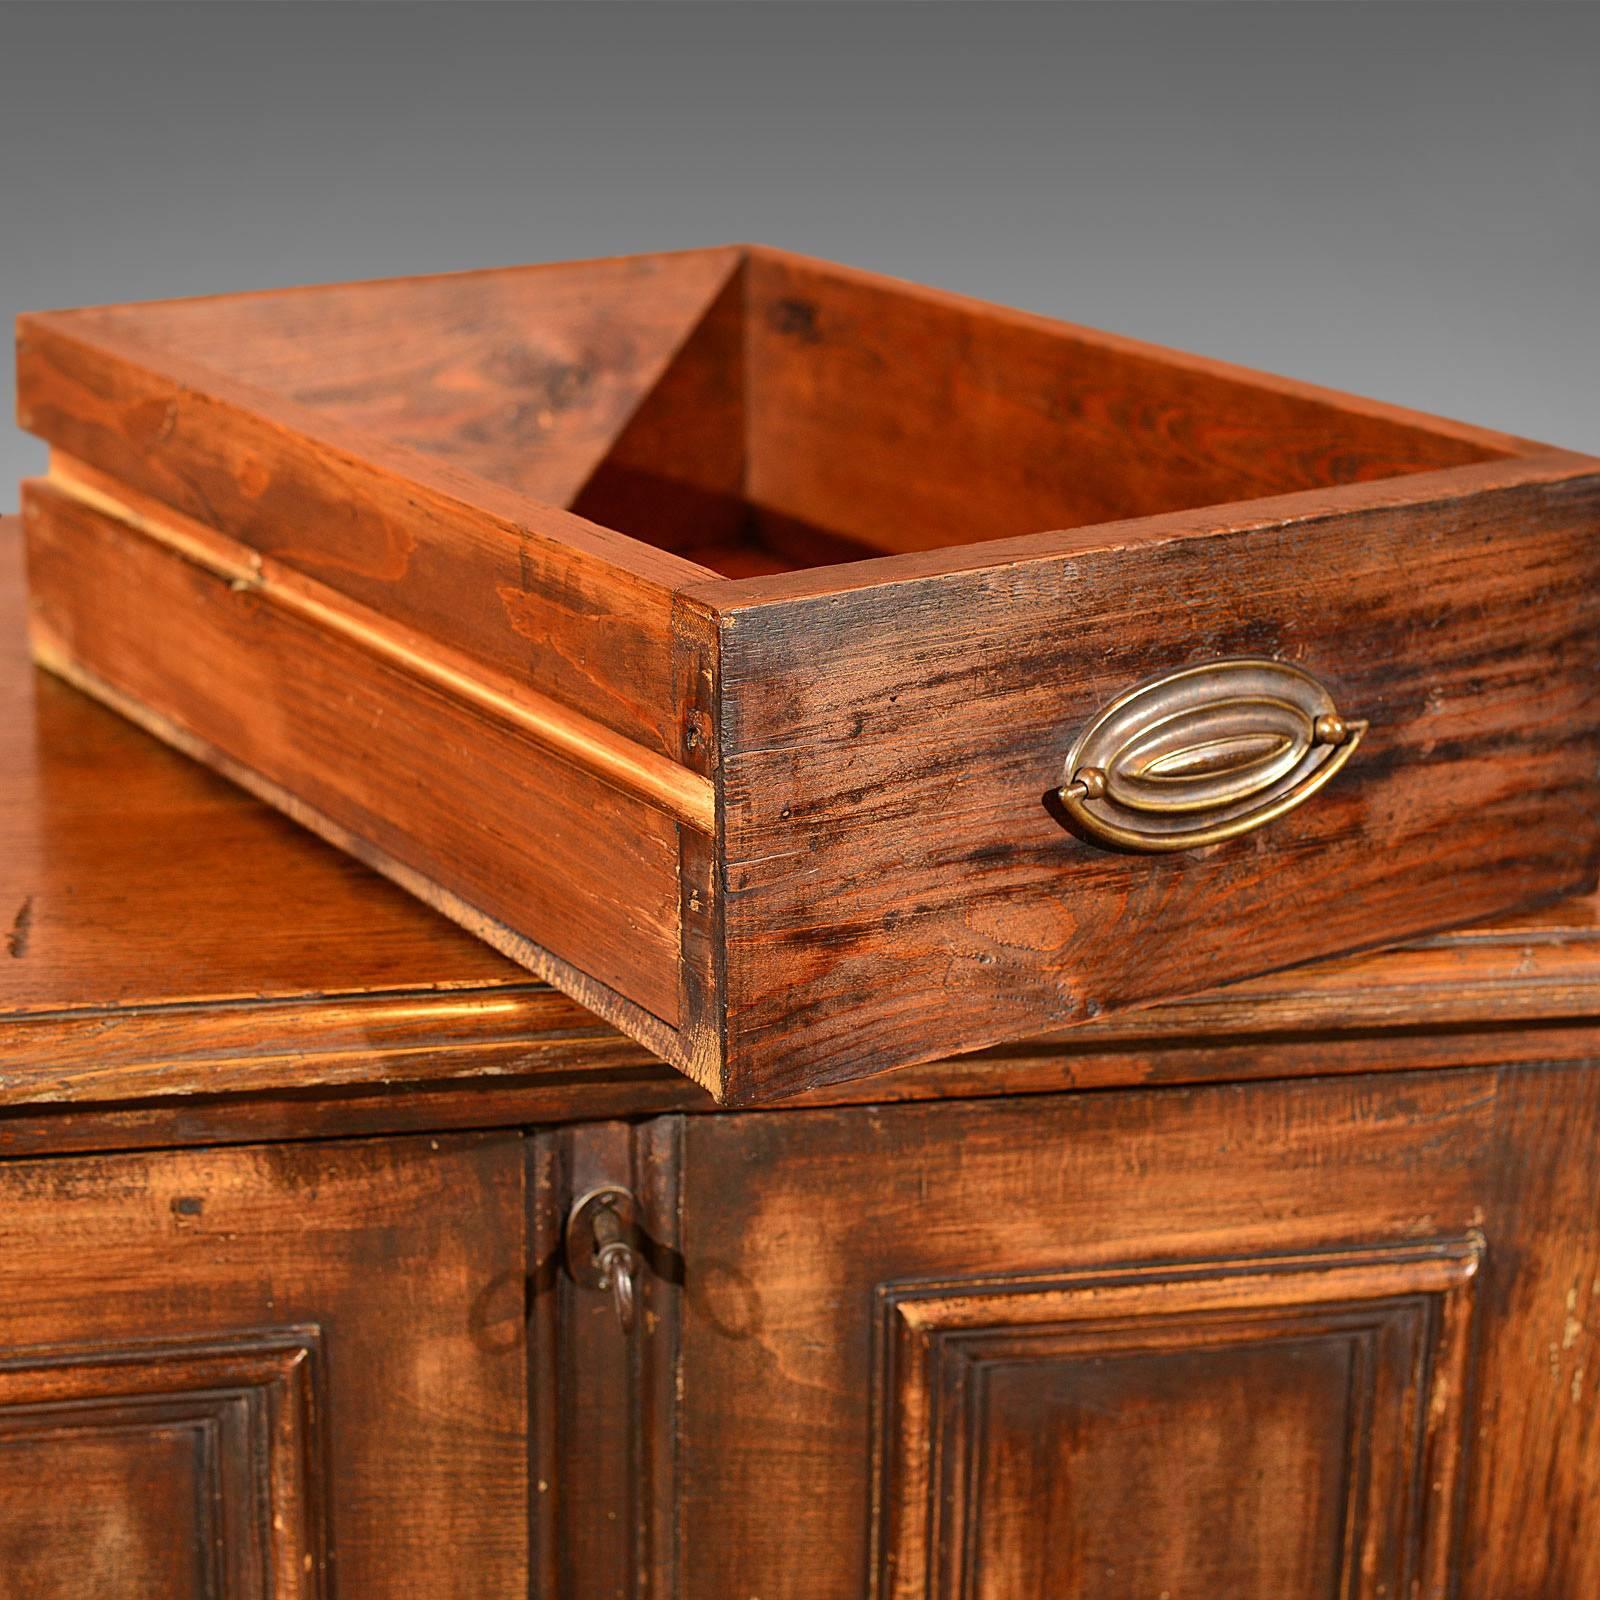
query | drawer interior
[852, 419]
[757, 412]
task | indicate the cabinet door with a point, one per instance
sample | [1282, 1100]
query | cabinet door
[272, 1372]
[1165, 1345]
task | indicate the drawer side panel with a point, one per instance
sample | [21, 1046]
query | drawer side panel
[572, 610]
[444, 797]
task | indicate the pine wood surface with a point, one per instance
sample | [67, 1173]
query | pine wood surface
[180, 963]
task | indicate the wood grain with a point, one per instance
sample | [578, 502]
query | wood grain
[179, 1286]
[205, 1454]
[134, 1522]
[674, 475]
[605, 1417]
[575, 611]
[663, 784]
[359, 742]
[802, 1233]
[1145, 1342]
[133, 877]
[522, 376]
[896, 886]
[866, 743]
[183, 966]
[1541, 1354]
[910, 419]
[1143, 1427]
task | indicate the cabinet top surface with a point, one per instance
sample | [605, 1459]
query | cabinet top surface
[164, 933]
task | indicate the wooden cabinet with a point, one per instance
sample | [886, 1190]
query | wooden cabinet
[1319, 1338]
[263, 1373]
[1286, 1292]
[1259, 1342]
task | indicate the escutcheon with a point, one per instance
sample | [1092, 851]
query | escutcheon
[1204, 754]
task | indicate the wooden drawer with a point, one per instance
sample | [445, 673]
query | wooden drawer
[683, 625]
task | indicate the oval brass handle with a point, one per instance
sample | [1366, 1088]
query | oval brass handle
[1204, 754]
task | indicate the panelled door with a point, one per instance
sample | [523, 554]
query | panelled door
[1165, 1345]
[263, 1373]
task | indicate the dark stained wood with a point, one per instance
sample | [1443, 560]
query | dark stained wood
[1540, 1383]
[204, 1456]
[605, 1521]
[1331, 1338]
[288, 1372]
[1265, 1339]
[133, 1522]
[1222, 1335]
[1031, 1424]
[834, 853]
[886, 750]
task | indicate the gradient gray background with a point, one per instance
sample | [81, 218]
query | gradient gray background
[1403, 200]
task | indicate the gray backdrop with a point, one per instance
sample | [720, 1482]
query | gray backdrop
[1399, 199]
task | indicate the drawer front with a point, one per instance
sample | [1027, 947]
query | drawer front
[902, 879]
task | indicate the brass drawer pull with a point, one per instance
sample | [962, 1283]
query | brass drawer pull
[1204, 754]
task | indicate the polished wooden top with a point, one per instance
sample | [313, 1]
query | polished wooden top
[165, 936]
